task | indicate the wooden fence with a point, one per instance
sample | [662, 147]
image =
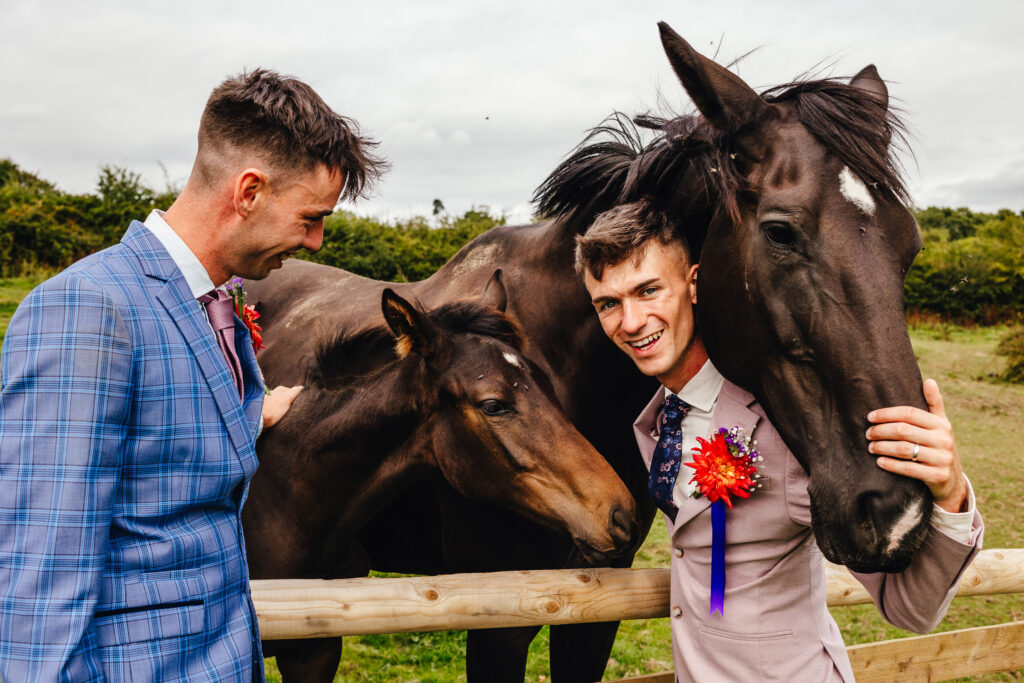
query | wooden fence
[292, 608]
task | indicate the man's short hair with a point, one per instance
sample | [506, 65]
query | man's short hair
[621, 233]
[284, 123]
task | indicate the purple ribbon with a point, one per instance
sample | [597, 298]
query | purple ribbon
[717, 558]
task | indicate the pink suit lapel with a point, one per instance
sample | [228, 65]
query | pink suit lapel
[732, 409]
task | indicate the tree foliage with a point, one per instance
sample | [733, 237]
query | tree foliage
[971, 268]
[43, 228]
[403, 252]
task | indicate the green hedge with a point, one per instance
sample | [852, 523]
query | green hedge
[43, 228]
[971, 269]
[404, 252]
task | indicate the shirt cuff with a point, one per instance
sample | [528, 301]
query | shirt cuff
[956, 525]
[259, 430]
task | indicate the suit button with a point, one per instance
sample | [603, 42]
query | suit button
[678, 552]
[677, 612]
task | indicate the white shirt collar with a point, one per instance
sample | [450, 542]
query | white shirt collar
[702, 390]
[196, 277]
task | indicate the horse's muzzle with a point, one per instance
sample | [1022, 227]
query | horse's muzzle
[881, 534]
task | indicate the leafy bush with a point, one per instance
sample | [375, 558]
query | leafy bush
[404, 252]
[971, 269]
[1012, 346]
[43, 228]
[972, 266]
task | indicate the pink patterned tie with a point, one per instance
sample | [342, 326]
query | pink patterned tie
[220, 308]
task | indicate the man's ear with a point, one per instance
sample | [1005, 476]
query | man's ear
[250, 191]
[691, 278]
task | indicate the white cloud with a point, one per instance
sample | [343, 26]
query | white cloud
[476, 104]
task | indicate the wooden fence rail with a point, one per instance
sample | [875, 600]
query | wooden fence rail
[302, 608]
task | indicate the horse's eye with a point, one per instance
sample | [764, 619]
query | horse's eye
[494, 407]
[779, 234]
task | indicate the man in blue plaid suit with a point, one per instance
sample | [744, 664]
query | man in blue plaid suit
[126, 447]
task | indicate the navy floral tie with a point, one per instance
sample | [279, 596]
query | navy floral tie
[668, 454]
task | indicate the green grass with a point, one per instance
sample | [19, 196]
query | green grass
[986, 414]
[12, 291]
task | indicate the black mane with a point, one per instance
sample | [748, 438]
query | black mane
[360, 353]
[601, 173]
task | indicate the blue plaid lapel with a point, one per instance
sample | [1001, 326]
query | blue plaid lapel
[187, 315]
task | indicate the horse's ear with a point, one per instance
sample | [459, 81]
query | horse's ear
[413, 332]
[495, 295]
[867, 79]
[729, 104]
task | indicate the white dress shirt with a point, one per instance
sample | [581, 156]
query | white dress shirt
[701, 392]
[196, 277]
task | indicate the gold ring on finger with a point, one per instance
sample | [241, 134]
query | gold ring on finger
[917, 451]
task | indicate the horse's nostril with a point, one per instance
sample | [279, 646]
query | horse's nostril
[877, 515]
[623, 527]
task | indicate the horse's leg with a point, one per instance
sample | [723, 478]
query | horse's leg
[314, 660]
[579, 652]
[498, 655]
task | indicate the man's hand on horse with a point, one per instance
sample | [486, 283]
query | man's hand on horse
[277, 403]
[920, 445]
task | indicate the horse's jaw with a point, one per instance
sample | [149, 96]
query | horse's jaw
[863, 517]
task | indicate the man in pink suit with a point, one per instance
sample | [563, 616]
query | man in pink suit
[775, 625]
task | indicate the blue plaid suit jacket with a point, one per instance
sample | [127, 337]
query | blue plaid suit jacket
[125, 458]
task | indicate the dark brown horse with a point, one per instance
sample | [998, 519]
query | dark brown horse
[447, 391]
[795, 206]
[798, 204]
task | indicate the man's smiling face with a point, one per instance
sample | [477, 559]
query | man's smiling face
[646, 308]
[288, 218]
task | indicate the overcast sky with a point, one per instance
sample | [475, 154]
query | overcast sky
[475, 102]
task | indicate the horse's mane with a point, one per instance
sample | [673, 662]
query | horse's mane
[612, 165]
[367, 351]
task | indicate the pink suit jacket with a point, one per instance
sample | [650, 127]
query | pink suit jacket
[776, 625]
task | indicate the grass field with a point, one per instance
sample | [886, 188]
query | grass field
[987, 416]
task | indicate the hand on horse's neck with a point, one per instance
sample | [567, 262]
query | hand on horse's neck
[690, 363]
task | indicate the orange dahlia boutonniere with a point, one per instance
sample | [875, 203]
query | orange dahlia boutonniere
[247, 313]
[724, 466]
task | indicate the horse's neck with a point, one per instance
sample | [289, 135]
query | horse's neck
[377, 436]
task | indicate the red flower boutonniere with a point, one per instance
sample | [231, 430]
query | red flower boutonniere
[725, 466]
[248, 314]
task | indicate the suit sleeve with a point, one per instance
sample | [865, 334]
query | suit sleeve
[64, 401]
[917, 598]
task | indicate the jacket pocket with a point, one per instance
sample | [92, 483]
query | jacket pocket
[732, 635]
[152, 608]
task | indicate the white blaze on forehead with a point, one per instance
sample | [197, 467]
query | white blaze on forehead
[855, 191]
[512, 359]
[910, 519]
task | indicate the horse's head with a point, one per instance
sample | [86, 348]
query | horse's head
[800, 289]
[496, 431]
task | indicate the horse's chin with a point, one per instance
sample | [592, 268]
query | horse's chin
[599, 557]
[865, 550]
